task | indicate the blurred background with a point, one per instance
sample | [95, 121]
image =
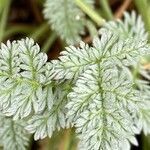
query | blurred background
[24, 18]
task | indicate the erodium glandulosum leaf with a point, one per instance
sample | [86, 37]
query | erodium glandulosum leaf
[92, 88]
[68, 21]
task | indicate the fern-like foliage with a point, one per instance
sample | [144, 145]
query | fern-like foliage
[13, 135]
[143, 87]
[90, 87]
[132, 26]
[110, 48]
[68, 20]
[104, 105]
[23, 78]
[46, 123]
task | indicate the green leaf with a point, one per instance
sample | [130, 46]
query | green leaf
[68, 20]
[13, 135]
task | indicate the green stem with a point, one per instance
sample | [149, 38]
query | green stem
[2, 5]
[90, 12]
[143, 8]
[40, 31]
[107, 9]
[135, 73]
[91, 28]
[18, 29]
[48, 43]
[3, 20]
[145, 142]
[67, 139]
[70, 141]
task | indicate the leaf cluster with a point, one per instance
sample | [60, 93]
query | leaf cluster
[90, 87]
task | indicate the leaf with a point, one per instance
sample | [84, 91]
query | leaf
[101, 108]
[68, 20]
[132, 26]
[24, 78]
[13, 135]
[45, 123]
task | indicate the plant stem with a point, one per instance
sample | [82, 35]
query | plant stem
[39, 31]
[107, 9]
[48, 43]
[145, 142]
[18, 29]
[3, 20]
[90, 12]
[70, 140]
[136, 72]
[119, 12]
[91, 28]
[143, 8]
[2, 5]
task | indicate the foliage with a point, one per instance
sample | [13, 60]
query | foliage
[89, 87]
[12, 134]
[68, 21]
